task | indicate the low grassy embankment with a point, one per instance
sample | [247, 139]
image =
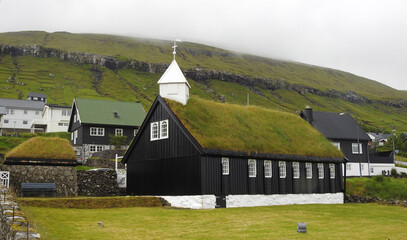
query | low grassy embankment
[344, 221]
[378, 186]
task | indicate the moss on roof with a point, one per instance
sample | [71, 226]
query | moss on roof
[251, 129]
[44, 148]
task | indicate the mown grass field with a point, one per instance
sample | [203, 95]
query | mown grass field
[345, 221]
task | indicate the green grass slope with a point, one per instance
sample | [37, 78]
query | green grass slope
[71, 79]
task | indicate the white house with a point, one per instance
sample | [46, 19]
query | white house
[55, 118]
[21, 114]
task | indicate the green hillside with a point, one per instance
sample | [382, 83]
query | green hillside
[295, 85]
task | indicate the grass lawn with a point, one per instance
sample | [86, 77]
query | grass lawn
[344, 221]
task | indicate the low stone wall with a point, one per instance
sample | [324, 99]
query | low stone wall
[64, 177]
[98, 183]
[102, 163]
[360, 199]
[13, 224]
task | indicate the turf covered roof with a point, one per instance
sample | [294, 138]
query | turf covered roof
[102, 112]
[43, 148]
[251, 129]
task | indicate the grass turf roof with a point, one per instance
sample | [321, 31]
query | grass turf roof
[44, 148]
[251, 129]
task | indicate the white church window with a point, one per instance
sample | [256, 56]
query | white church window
[164, 129]
[225, 166]
[308, 170]
[320, 170]
[356, 149]
[154, 131]
[332, 170]
[282, 169]
[252, 168]
[296, 169]
[267, 169]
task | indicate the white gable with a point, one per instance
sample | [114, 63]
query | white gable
[173, 74]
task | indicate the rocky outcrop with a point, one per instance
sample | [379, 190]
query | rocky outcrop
[195, 74]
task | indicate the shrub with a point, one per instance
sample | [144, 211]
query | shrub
[379, 178]
[394, 172]
[117, 141]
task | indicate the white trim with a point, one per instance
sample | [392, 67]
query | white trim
[225, 166]
[118, 132]
[308, 170]
[360, 148]
[268, 169]
[97, 129]
[331, 170]
[282, 169]
[337, 144]
[154, 136]
[296, 170]
[164, 135]
[252, 166]
[321, 173]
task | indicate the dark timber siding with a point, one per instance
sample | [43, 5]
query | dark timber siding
[164, 167]
[346, 148]
[239, 182]
[109, 130]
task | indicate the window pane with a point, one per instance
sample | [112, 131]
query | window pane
[225, 166]
[252, 168]
[320, 170]
[332, 170]
[154, 131]
[267, 169]
[164, 129]
[282, 169]
[296, 170]
[308, 167]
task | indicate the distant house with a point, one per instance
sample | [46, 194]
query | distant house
[201, 154]
[37, 97]
[93, 122]
[379, 138]
[55, 118]
[21, 115]
[344, 133]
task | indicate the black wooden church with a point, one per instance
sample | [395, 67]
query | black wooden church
[208, 148]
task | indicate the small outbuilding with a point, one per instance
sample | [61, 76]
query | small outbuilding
[43, 160]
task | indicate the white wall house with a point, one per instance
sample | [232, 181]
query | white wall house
[21, 114]
[55, 118]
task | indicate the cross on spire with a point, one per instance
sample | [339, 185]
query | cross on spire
[175, 48]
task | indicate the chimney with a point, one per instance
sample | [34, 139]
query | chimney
[308, 114]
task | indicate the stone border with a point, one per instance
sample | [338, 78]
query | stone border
[13, 223]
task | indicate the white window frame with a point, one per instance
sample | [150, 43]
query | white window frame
[331, 170]
[25, 112]
[154, 134]
[118, 132]
[97, 131]
[225, 166]
[37, 113]
[308, 170]
[337, 145]
[65, 112]
[60, 124]
[164, 134]
[348, 167]
[321, 171]
[95, 148]
[5, 121]
[296, 170]
[25, 122]
[268, 169]
[252, 167]
[282, 169]
[10, 111]
[135, 131]
[354, 146]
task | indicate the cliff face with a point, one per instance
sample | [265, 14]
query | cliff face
[196, 74]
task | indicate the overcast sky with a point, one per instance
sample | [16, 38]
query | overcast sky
[364, 37]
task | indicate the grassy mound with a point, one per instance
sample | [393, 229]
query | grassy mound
[378, 186]
[91, 203]
[44, 148]
[251, 129]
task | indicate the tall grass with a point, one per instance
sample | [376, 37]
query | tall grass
[378, 186]
[251, 129]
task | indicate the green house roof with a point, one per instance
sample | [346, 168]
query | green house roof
[103, 112]
[251, 129]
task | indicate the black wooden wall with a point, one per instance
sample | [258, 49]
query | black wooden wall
[346, 148]
[239, 182]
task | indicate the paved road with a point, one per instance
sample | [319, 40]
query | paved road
[401, 163]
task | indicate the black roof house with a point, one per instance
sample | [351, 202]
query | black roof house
[344, 132]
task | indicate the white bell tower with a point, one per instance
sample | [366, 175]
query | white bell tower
[173, 84]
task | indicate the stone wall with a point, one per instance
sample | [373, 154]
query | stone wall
[98, 183]
[13, 224]
[64, 177]
[103, 163]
